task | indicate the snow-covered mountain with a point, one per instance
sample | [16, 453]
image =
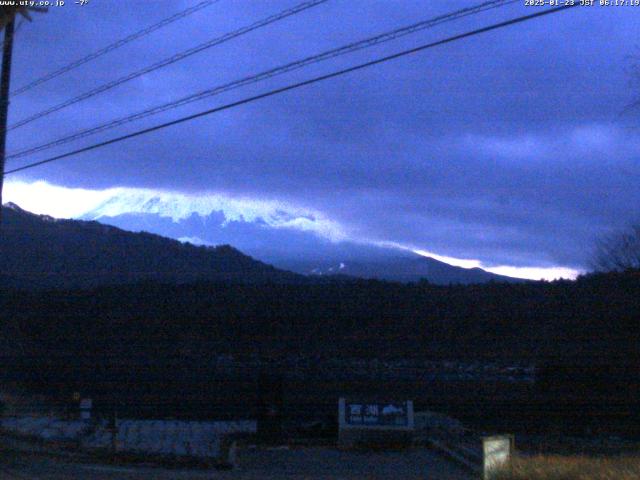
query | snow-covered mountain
[290, 238]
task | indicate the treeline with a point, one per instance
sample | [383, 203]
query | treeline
[594, 315]
[161, 343]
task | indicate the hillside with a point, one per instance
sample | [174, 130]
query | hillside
[43, 252]
[396, 265]
[593, 317]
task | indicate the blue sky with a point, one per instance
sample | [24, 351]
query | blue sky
[507, 149]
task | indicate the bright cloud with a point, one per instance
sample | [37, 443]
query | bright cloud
[595, 137]
[531, 273]
[517, 147]
[583, 139]
[195, 241]
[44, 198]
[458, 262]
[535, 273]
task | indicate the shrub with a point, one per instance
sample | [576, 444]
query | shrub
[554, 467]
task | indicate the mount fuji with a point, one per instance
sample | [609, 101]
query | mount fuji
[301, 241]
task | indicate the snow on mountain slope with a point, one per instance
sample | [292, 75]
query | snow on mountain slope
[177, 207]
[84, 204]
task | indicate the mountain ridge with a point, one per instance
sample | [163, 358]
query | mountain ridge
[305, 252]
[43, 251]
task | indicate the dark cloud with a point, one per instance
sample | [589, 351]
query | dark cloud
[507, 148]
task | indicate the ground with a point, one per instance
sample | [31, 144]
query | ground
[264, 464]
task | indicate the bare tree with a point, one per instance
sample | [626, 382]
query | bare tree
[633, 73]
[618, 252]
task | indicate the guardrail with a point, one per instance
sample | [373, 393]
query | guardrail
[468, 454]
[482, 456]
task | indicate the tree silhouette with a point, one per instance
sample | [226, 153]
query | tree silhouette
[618, 252]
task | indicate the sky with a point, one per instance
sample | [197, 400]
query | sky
[513, 150]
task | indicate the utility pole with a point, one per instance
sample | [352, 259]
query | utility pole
[7, 21]
[5, 79]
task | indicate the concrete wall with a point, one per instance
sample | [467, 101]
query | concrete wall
[161, 437]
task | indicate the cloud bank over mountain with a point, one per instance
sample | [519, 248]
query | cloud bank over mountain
[286, 235]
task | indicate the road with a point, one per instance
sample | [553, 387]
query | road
[253, 464]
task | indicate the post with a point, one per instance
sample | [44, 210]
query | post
[4, 99]
[113, 428]
[270, 405]
[497, 452]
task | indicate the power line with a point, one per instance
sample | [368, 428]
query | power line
[170, 60]
[286, 68]
[296, 86]
[114, 46]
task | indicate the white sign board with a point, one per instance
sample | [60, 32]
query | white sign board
[375, 415]
[497, 452]
[364, 422]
